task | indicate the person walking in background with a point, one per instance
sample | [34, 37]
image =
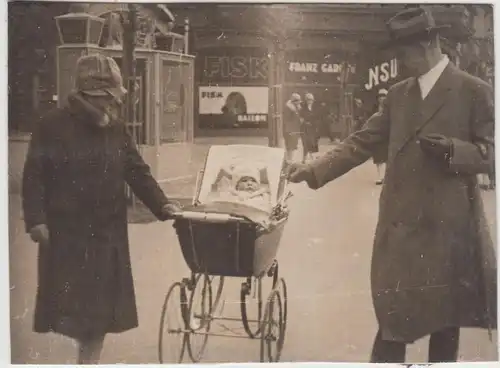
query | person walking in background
[334, 125]
[309, 132]
[359, 115]
[291, 124]
[434, 266]
[75, 207]
[326, 122]
[380, 156]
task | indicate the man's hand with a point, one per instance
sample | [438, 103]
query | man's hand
[297, 173]
[40, 234]
[437, 145]
[169, 210]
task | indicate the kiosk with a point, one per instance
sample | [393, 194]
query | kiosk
[164, 78]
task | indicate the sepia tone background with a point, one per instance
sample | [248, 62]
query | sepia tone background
[326, 249]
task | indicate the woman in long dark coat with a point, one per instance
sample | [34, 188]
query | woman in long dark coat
[80, 158]
[309, 133]
[291, 124]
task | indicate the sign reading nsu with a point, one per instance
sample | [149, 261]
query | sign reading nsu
[382, 73]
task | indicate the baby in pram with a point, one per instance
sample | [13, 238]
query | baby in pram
[243, 185]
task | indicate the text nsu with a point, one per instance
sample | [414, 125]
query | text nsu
[382, 73]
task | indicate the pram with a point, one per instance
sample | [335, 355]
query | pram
[224, 237]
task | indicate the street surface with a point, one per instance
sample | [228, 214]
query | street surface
[324, 256]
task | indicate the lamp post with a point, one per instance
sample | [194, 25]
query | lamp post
[275, 27]
[276, 98]
[129, 24]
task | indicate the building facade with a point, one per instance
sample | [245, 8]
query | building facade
[330, 50]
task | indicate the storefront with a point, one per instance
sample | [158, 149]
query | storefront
[319, 72]
[233, 85]
[330, 50]
[233, 91]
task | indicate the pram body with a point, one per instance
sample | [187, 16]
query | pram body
[224, 236]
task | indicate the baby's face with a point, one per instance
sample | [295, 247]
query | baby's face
[247, 184]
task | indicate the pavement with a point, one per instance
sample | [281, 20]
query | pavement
[324, 256]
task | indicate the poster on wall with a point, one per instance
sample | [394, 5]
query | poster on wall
[233, 107]
[172, 121]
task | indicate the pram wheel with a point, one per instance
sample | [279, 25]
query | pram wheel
[217, 284]
[199, 317]
[281, 287]
[173, 336]
[272, 329]
[254, 318]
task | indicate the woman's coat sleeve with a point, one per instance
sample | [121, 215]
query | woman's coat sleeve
[138, 176]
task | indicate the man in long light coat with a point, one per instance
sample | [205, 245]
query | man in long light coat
[433, 265]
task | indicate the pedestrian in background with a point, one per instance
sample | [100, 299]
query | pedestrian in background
[334, 125]
[326, 122]
[380, 156]
[359, 115]
[434, 267]
[291, 124]
[75, 207]
[309, 128]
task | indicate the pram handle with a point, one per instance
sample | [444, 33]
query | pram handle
[208, 217]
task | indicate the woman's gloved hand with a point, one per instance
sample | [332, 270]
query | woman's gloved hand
[169, 210]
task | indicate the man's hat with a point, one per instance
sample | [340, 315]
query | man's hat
[412, 25]
[295, 97]
[382, 92]
[99, 75]
[309, 96]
